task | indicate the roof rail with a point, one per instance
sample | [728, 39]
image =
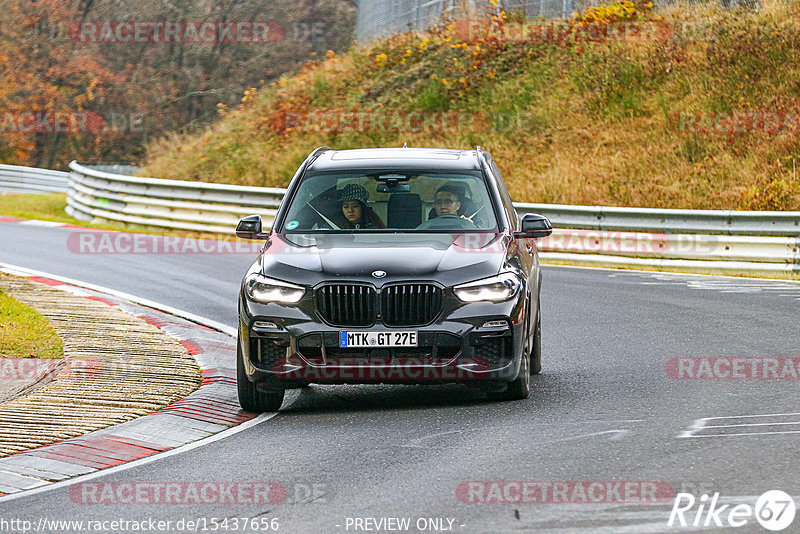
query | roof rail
[481, 156]
[310, 159]
[316, 153]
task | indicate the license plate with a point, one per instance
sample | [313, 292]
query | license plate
[377, 339]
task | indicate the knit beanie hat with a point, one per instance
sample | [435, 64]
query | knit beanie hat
[353, 192]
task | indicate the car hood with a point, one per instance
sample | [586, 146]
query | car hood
[312, 258]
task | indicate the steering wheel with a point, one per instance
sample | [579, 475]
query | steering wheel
[447, 222]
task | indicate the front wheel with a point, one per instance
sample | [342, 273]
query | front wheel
[520, 387]
[250, 398]
[536, 345]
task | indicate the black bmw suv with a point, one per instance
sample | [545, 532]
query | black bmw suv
[392, 265]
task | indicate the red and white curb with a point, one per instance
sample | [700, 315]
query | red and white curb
[210, 410]
[47, 224]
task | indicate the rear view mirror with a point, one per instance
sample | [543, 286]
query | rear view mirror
[250, 227]
[394, 188]
[534, 225]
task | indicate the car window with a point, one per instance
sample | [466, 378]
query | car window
[507, 203]
[411, 201]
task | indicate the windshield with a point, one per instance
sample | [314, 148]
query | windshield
[410, 201]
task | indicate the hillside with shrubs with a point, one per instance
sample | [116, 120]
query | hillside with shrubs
[684, 107]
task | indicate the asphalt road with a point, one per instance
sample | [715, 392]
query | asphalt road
[604, 409]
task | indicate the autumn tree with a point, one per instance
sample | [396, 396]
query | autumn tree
[135, 89]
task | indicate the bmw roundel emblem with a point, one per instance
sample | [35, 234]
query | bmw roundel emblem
[378, 274]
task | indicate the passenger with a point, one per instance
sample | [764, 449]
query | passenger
[355, 212]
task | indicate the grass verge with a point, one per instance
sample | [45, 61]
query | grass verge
[50, 207]
[24, 333]
[708, 271]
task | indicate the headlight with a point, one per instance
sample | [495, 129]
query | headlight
[263, 289]
[495, 289]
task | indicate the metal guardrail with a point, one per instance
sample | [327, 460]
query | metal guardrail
[173, 204]
[703, 253]
[17, 179]
[674, 246]
[763, 243]
[116, 168]
[767, 223]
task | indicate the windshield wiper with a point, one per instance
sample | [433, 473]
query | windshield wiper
[327, 220]
[473, 215]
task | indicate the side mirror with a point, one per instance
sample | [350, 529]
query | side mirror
[250, 228]
[534, 225]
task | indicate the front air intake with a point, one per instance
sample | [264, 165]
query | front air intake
[410, 304]
[346, 304]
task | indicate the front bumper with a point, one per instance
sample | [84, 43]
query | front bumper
[301, 349]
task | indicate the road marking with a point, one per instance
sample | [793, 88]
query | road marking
[701, 425]
[46, 224]
[618, 434]
[136, 463]
[417, 442]
[782, 288]
[589, 421]
[620, 273]
[221, 327]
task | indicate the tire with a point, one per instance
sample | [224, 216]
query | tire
[520, 387]
[250, 398]
[536, 345]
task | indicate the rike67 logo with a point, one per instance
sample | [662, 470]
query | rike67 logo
[774, 511]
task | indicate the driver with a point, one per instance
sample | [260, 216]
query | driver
[450, 200]
[447, 201]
